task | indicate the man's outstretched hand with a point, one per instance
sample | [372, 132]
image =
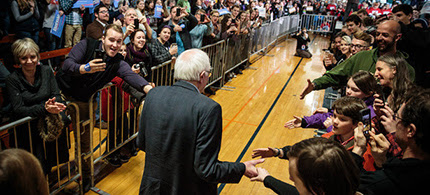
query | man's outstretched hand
[251, 170]
[307, 89]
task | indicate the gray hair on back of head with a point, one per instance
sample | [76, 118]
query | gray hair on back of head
[190, 64]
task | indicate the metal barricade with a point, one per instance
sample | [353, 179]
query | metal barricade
[263, 39]
[162, 75]
[216, 53]
[234, 52]
[317, 23]
[24, 134]
[121, 112]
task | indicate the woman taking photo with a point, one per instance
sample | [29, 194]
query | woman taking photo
[393, 75]
[33, 92]
[138, 52]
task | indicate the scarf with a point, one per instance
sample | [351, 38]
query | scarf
[137, 56]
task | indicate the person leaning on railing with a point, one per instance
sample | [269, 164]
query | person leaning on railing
[33, 92]
[84, 73]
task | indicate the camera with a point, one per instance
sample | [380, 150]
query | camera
[142, 68]
[366, 119]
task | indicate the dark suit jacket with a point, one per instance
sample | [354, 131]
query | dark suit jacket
[95, 30]
[180, 131]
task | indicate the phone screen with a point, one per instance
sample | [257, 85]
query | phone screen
[136, 23]
[178, 11]
[202, 18]
[98, 54]
[366, 119]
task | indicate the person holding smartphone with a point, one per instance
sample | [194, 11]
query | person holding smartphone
[131, 24]
[204, 28]
[181, 23]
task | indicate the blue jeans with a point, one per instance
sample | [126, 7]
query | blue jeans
[32, 35]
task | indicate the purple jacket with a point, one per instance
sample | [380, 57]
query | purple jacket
[86, 84]
[317, 120]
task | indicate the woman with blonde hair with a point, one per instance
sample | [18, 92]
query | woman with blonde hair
[33, 91]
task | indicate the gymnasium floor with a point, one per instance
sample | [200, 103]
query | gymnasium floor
[253, 117]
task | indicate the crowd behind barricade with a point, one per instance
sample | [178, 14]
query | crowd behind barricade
[119, 42]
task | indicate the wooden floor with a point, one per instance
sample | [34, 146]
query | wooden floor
[253, 117]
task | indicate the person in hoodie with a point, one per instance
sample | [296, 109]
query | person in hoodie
[406, 175]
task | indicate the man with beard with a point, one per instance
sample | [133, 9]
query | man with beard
[387, 35]
[95, 30]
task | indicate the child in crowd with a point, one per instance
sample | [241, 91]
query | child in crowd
[361, 85]
[346, 115]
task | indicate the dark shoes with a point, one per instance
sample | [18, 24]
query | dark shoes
[114, 161]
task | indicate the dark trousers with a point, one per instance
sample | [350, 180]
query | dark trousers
[304, 53]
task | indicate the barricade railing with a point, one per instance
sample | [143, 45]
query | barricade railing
[317, 23]
[269, 35]
[216, 53]
[24, 134]
[162, 75]
[121, 113]
[235, 52]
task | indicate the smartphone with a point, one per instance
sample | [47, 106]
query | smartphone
[98, 54]
[366, 119]
[136, 23]
[202, 18]
[178, 11]
[123, 3]
[381, 93]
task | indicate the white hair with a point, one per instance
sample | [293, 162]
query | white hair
[190, 64]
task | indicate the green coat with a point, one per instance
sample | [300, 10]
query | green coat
[364, 60]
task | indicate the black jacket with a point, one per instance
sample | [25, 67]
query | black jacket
[180, 130]
[397, 176]
[302, 43]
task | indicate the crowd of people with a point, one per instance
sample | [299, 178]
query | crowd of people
[377, 60]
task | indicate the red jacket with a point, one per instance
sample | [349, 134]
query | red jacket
[117, 81]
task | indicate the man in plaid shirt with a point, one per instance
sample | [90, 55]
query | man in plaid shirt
[73, 26]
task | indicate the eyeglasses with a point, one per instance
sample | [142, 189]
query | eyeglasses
[104, 12]
[359, 46]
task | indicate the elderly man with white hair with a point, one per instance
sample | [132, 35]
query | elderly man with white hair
[180, 131]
